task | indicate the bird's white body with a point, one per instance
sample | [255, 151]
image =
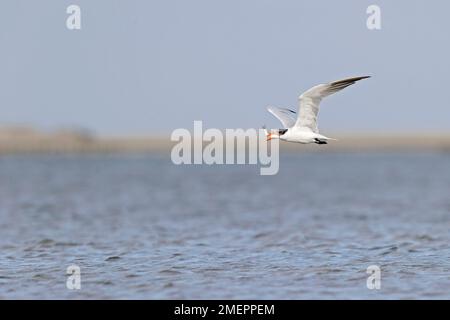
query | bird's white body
[303, 128]
[300, 135]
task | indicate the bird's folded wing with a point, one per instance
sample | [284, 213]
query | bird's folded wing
[310, 100]
[286, 116]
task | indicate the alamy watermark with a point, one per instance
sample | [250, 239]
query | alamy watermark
[374, 279]
[231, 146]
[73, 21]
[373, 21]
[73, 281]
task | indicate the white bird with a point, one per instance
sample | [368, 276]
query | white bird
[303, 128]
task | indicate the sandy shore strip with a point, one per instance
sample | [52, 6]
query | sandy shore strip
[18, 140]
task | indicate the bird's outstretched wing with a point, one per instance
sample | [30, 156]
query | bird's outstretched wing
[310, 100]
[286, 116]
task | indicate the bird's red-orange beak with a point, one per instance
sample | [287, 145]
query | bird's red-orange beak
[269, 137]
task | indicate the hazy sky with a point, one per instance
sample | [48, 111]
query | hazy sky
[140, 67]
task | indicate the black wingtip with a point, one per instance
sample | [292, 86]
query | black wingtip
[348, 81]
[359, 78]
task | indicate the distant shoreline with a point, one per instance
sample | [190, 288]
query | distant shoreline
[20, 140]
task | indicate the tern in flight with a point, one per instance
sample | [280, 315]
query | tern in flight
[303, 128]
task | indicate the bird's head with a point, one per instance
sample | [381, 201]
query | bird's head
[273, 135]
